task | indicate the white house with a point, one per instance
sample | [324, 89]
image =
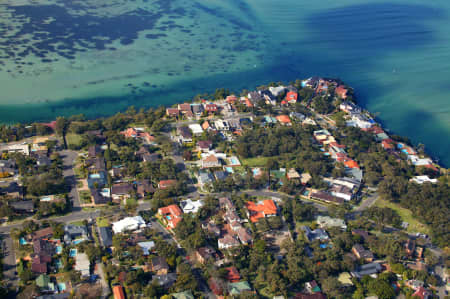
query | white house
[222, 125]
[420, 179]
[196, 129]
[326, 222]
[190, 206]
[128, 224]
[228, 241]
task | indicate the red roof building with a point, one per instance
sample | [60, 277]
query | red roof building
[388, 144]
[422, 293]
[165, 184]
[130, 133]
[341, 92]
[211, 108]
[233, 274]
[118, 292]
[172, 215]
[284, 119]
[172, 112]
[351, 164]
[231, 99]
[256, 211]
[291, 97]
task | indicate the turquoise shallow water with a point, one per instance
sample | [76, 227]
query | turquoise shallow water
[67, 57]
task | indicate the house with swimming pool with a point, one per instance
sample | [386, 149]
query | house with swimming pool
[170, 215]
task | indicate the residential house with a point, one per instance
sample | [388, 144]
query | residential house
[211, 161]
[226, 204]
[292, 174]
[266, 208]
[72, 232]
[291, 97]
[361, 253]
[22, 206]
[204, 145]
[143, 188]
[227, 242]
[276, 91]
[196, 129]
[341, 191]
[211, 228]
[166, 184]
[317, 234]
[39, 264]
[94, 151]
[172, 112]
[128, 224]
[341, 92]
[151, 157]
[100, 196]
[254, 98]
[185, 134]
[105, 236]
[312, 287]
[159, 266]
[217, 286]
[305, 178]
[420, 179]
[82, 264]
[237, 288]
[191, 206]
[43, 282]
[185, 108]
[118, 292]
[203, 254]
[183, 295]
[197, 109]
[410, 247]
[204, 178]
[244, 236]
[171, 215]
[220, 175]
[232, 274]
[367, 269]
[327, 197]
[97, 180]
[222, 125]
[121, 192]
[423, 293]
[12, 190]
[211, 108]
[284, 120]
[146, 247]
[44, 233]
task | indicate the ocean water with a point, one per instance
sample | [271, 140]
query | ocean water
[61, 57]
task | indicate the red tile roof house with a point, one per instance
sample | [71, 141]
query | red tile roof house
[211, 108]
[217, 286]
[130, 133]
[172, 112]
[165, 184]
[171, 215]
[291, 97]
[388, 144]
[284, 119]
[341, 92]
[422, 293]
[210, 162]
[233, 274]
[118, 292]
[204, 145]
[255, 211]
[244, 236]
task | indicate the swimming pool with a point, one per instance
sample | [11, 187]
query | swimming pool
[234, 161]
[94, 176]
[58, 249]
[72, 252]
[46, 198]
[229, 169]
[168, 217]
[22, 241]
[59, 264]
[61, 286]
[76, 242]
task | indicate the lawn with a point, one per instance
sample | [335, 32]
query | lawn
[406, 215]
[255, 162]
[73, 139]
[102, 222]
[85, 196]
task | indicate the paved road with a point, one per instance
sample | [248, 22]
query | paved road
[68, 160]
[9, 260]
[367, 203]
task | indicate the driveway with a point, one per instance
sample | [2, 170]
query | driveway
[68, 160]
